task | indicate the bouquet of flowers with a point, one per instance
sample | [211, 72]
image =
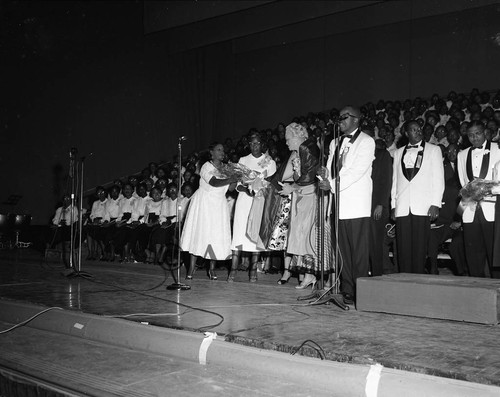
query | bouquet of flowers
[477, 189]
[241, 172]
[253, 179]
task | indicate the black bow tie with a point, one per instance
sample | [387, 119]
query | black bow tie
[477, 148]
[412, 146]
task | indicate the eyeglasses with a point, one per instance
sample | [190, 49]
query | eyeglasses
[347, 115]
[254, 143]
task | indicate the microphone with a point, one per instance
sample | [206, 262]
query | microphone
[183, 138]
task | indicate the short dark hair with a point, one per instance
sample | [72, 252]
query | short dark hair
[476, 123]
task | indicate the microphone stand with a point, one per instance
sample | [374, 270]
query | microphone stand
[73, 187]
[77, 272]
[72, 154]
[331, 295]
[176, 285]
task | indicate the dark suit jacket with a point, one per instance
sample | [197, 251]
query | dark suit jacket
[448, 211]
[382, 179]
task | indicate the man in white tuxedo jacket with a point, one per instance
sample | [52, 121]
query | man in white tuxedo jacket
[478, 161]
[351, 159]
[416, 196]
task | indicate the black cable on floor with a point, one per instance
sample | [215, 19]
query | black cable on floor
[319, 349]
[29, 319]
[201, 329]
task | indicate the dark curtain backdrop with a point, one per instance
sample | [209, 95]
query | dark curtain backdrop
[201, 85]
[396, 61]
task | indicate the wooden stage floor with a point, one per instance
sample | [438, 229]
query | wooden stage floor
[260, 314]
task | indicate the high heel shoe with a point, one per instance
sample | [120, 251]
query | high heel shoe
[212, 275]
[283, 280]
[190, 275]
[231, 276]
[307, 282]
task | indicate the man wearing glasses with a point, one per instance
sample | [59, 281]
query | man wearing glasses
[416, 196]
[348, 172]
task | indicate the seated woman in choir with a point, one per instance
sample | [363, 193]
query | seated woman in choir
[153, 167]
[241, 243]
[133, 181]
[165, 237]
[151, 225]
[95, 233]
[161, 184]
[149, 185]
[65, 216]
[122, 232]
[109, 225]
[207, 231]
[135, 246]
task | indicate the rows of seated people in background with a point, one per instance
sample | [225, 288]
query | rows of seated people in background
[444, 122]
[137, 221]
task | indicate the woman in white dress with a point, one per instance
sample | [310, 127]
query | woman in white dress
[263, 163]
[207, 230]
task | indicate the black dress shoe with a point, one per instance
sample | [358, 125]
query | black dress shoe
[348, 299]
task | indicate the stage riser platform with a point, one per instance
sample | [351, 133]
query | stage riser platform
[467, 299]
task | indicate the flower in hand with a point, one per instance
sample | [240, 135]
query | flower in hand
[477, 189]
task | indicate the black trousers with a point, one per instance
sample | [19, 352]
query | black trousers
[457, 252]
[478, 239]
[437, 237]
[379, 251]
[354, 247]
[412, 236]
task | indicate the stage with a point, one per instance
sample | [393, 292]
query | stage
[259, 319]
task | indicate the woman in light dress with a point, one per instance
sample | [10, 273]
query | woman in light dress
[207, 230]
[264, 164]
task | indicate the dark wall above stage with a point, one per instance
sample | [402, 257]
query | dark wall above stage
[85, 75]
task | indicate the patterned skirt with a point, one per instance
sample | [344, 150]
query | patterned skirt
[279, 235]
